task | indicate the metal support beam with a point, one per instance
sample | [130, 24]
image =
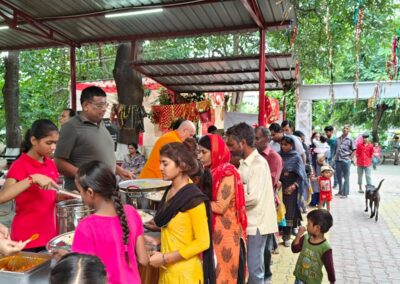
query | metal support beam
[22, 22]
[211, 73]
[254, 11]
[261, 85]
[229, 90]
[226, 82]
[72, 60]
[213, 60]
[274, 74]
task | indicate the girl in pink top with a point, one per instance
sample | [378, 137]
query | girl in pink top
[27, 180]
[114, 233]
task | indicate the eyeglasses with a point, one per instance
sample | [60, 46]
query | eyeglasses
[100, 105]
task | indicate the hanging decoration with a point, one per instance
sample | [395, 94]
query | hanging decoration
[359, 21]
[271, 110]
[371, 103]
[295, 85]
[128, 116]
[164, 115]
[392, 65]
[396, 104]
[294, 35]
[330, 60]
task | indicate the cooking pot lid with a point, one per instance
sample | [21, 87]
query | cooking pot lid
[144, 185]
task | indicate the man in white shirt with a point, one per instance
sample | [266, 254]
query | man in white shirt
[259, 195]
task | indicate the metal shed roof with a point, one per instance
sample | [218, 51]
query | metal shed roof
[35, 24]
[240, 73]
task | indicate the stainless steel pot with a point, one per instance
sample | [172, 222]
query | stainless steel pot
[134, 198]
[69, 213]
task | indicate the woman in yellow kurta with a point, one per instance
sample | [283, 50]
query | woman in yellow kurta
[184, 219]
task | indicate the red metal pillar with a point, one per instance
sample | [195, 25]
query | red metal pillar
[72, 60]
[261, 84]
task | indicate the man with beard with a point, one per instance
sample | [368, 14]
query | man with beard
[259, 195]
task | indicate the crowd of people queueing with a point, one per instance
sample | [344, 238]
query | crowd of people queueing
[219, 219]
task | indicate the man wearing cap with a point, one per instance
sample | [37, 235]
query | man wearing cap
[344, 153]
[364, 153]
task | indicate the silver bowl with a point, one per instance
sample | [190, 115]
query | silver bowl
[63, 241]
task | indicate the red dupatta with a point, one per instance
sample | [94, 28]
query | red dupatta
[220, 168]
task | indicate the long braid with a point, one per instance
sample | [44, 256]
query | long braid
[124, 223]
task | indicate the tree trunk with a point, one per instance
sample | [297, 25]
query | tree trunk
[380, 110]
[237, 98]
[11, 100]
[129, 88]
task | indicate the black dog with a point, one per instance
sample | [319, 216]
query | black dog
[372, 194]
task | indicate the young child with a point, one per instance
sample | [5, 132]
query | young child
[28, 181]
[78, 268]
[325, 187]
[315, 251]
[114, 233]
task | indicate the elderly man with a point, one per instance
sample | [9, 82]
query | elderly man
[152, 167]
[344, 153]
[259, 195]
[85, 138]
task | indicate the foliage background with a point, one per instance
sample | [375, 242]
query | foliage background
[44, 84]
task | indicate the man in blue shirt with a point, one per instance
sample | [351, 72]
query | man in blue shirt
[344, 153]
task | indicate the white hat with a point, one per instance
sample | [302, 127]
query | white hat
[326, 168]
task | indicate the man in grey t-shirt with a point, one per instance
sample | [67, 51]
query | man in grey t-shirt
[84, 138]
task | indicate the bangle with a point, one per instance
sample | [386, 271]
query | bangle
[164, 259]
[30, 179]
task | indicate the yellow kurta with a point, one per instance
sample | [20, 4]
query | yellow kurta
[187, 233]
[152, 167]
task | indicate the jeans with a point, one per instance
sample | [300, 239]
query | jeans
[375, 161]
[360, 172]
[255, 257]
[333, 165]
[267, 256]
[343, 171]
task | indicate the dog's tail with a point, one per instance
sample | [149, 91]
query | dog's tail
[379, 186]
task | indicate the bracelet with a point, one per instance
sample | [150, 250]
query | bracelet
[30, 179]
[164, 259]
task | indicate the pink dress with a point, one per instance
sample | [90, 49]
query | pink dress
[102, 236]
[35, 207]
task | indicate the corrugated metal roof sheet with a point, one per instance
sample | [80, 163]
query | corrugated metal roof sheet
[222, 73]
[83, 21]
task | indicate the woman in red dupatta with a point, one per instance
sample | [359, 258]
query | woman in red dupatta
[229, 211]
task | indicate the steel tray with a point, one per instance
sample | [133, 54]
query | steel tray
[143, 185]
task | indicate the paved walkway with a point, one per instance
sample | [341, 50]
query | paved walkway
[364, 251]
